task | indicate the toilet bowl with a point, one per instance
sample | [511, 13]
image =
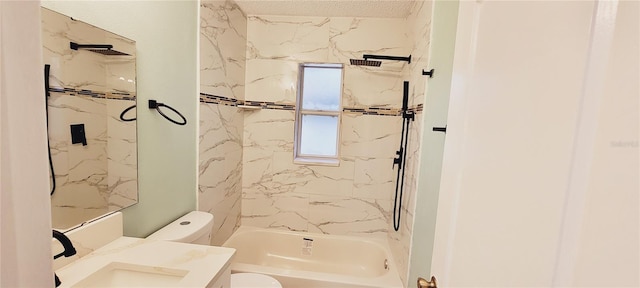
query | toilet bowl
[195, 228]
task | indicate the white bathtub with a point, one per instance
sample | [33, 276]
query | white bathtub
[313, 260]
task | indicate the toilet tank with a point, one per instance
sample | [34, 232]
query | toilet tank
[194, 227]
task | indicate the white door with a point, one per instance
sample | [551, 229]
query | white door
[539, 181]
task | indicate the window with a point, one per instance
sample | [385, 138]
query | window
[318, 114]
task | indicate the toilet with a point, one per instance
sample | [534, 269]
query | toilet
[195, 228]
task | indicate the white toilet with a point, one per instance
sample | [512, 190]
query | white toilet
[195, 227]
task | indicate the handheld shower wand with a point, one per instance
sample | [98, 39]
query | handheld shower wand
[401, 160]
[47, 69]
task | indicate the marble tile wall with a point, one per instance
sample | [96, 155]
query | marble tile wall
[80, 171]
[419, 22]
[82, 69]
[91, 89]
[354, 198]
[222, 69]
[101, 176]
[122, 156]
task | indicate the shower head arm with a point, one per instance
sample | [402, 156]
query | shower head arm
[384, 57]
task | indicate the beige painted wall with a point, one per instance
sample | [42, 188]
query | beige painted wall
[167, 70]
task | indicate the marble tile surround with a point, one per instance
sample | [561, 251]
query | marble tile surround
[355, 198]
[223, 37]
[420, 27]
[276, 45]
[91, 89]
[222, 69]
[352, 199]
[81, 69]
[100, 177]
[280, 194]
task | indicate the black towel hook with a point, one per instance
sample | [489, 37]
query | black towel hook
[428, 73]
[153, 104]
[125, 112]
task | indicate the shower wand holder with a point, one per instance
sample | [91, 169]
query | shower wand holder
[409, 115]
[398, 160]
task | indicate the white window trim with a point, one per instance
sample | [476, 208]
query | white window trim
[316, 159]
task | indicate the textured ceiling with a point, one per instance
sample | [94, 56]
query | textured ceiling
[328, 8]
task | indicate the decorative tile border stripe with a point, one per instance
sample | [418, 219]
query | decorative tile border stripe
[417, 109]
[215, 99]
[94, 94]
[379, 111]
[270, 105]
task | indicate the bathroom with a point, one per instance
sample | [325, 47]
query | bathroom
[228, 188]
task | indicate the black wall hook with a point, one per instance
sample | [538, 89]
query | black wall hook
[153, 104]
[428, 73]
[440, 129]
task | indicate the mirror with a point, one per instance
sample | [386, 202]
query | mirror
[93, 157]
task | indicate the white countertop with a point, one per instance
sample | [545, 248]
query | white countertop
[204, 263]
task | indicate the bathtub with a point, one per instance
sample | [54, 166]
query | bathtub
[313, 260]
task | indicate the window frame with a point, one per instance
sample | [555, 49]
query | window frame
[312, 159]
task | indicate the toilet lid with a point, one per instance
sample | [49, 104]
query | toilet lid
[247, 280]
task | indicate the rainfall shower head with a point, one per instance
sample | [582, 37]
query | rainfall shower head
[360, 62]
[108, 52]
[104, 49]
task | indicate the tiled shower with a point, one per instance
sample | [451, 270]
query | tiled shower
[249, 71]
[89, 89]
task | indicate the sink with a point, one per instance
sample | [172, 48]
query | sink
[135, 262]
[118, 274]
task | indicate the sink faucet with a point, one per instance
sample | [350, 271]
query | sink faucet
[69, 250]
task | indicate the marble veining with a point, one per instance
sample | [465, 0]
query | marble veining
[204, 265]
[81, 69]
[220, 167]
[100, 177]
[419, 23]
[354, 198]
[91, 89]
[280, 194]
[289, 38]
[223, 40]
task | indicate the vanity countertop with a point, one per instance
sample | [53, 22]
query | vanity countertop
[205, 264]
